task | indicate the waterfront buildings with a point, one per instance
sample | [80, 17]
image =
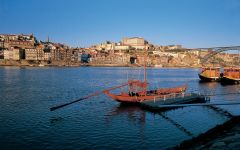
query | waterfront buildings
[17, 47]
[128, 50]
[14, 53]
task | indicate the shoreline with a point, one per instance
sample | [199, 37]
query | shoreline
[27, 63]
[104, 65]
[64, 64]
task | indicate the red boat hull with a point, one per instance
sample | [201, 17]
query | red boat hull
[150, 95]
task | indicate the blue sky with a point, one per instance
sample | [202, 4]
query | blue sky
[191, 23]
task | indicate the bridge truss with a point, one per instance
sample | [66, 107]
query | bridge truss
[215, 51]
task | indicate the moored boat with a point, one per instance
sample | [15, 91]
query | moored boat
[209, 74]
[142, 95]
[231, 76]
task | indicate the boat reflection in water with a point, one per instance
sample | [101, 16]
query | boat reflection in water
[134, 113]
[137, 115]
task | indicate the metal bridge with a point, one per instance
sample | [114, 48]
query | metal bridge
[215, 51]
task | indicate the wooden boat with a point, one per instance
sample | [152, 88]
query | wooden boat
[138, 90]
[231, 76]
[135, 97]
[209, 74]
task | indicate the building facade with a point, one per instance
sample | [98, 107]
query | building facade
[40, 52]
[13, 40]
[14, 53]
[134, 41]
[47, 56]
[31, 54]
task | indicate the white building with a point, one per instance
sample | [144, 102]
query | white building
[134, 41]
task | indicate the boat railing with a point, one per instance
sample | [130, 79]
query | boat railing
[172, 96]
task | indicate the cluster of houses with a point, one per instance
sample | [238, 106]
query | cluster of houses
[131, 50]
[128, 50]
[125, 44]
[133, 43]
[27, 47]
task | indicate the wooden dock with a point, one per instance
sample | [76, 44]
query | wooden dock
[173, 100]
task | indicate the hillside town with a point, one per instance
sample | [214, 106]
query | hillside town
[26, 50]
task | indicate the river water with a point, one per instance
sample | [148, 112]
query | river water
[99, 123]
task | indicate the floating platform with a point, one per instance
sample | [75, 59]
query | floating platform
[165, 103]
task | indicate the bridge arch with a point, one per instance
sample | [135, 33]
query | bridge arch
[215, 51]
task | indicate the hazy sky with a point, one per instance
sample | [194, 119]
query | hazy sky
[192, 23]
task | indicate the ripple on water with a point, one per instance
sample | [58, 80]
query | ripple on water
[27, 94]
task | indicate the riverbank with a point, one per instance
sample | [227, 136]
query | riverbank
[225, 136]
[25, 63]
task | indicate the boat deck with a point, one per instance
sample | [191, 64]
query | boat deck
[164, 103]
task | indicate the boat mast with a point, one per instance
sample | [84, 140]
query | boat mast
[145, 65]
[145, 70]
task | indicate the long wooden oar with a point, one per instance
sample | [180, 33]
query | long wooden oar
[89, 96]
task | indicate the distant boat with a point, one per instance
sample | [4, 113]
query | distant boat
[210, 74]
[231, 76]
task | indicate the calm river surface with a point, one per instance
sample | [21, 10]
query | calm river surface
[99, 123]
